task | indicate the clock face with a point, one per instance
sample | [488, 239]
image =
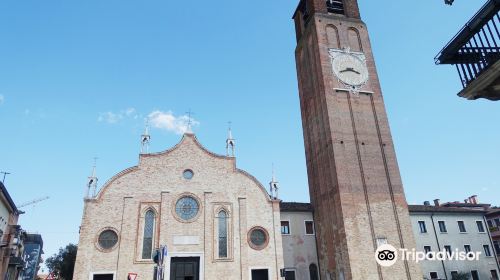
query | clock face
[350, 69]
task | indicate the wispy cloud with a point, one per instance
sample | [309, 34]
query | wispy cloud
[130, 112]
[115, 117]
[163, 120]
[169, 122]
[2, 99]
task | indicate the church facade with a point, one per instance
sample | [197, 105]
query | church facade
[218, 222]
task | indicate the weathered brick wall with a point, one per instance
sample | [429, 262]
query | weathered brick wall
[354, 179]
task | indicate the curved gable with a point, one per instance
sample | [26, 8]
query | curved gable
[187, 139]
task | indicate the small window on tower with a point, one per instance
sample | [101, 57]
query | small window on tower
[335, 6]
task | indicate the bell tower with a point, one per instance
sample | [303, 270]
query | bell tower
[354, 180]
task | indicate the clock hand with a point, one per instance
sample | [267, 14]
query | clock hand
[350, 69]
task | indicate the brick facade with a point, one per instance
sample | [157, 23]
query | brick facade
[156, 184]
[354, 180]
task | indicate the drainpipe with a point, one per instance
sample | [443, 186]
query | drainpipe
[439, 246]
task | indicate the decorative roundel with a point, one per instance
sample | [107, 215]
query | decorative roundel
[187, 208]
[107, 239]
[188, 174]
[258, 238]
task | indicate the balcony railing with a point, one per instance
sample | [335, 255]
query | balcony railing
[477, 46]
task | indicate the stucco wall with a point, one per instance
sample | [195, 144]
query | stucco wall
[299, 249]
[455, 239]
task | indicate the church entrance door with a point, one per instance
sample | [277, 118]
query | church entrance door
[260, 274]
[103, 277]
[185, 268]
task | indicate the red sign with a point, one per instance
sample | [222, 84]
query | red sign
[132, 276]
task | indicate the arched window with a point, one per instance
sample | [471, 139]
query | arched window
[332, 34]
[313, 272]
[222, 217]
[149, 228]
[354, 40]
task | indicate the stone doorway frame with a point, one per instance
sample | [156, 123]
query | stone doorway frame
[185, 255]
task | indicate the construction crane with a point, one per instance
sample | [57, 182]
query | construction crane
[32, 202]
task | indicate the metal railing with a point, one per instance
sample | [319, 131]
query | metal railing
[477, 46]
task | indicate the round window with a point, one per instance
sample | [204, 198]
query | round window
[188, 174]
[108, 239]
[258, 238]
[187, 208]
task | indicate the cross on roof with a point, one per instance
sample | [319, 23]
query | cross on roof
[190, 120]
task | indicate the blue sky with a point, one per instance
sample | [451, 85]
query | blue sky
[77, 79]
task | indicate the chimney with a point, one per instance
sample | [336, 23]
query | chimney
[427, 203]
[436, 202]
[466, 200]
[473, 199]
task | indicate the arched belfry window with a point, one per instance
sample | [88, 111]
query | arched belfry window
[222, 233]
[335, 6]
[313, 272]
[148, 237]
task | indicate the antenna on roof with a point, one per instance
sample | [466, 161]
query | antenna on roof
[4, 175]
